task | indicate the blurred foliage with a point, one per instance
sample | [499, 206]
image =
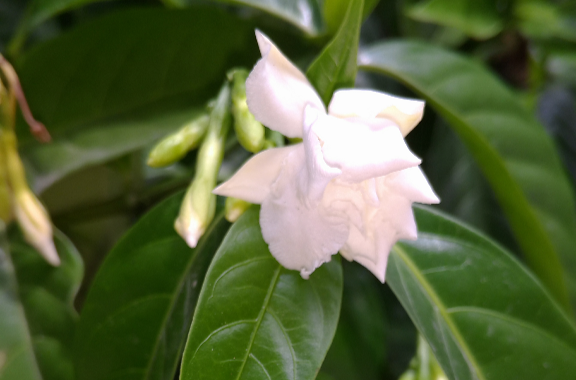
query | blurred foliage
[110, 79]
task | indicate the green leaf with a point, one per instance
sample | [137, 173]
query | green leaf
[484, 315]
[37, 12]
[542, 20]
[258, 320]
[359, 350]
[336, 65]
[47, 294]
[99, 143]
[304, 14]
[138, 311]
[121, 81]
[512, 149]
[477, 18]
[17, 361]
[335, 11]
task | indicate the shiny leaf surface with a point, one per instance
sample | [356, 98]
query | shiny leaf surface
[139, 308]
[510, 146]
[258, 320]
[336, 65]
[304, 14]
[121, 81]
[484, 315]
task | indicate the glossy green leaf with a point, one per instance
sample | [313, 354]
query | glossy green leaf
[137, 314]
[99, 143]
[304, 14]
[336, 65]
[335, 11]
[510, 146]
[258, 320]
[484, 315]
[358, 351]
[121, 81]
[477, 18]
[17, 360]
[47, 295]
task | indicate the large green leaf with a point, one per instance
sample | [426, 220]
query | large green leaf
[137, 314]
[477, 18]
[258, 320]
[17, 361]
[511, 147]
[484, 315]
[304, 14]
[47, 294]
[99, 143]
[101, 88]
[336, 65]
[359, 347]
[39, 11]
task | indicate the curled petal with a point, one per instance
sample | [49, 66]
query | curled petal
[318, 173]
[254, 180]
[405, 113]
[301, 236]
[411, 183]
[277, 91]
[362, 151]
[370, 247]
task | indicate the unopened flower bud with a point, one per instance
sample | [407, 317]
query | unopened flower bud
[29, 212]
[249, 131]
[234, 208]
[175, 146]
[199, 205]
[36, 226]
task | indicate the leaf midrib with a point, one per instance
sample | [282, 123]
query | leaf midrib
[441, 308]
[260, 317]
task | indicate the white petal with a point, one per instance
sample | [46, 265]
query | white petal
[412, 184]
[374, 227]
[252, 182]
[318, 173]
[300, 236]
[360, 150]
[277, 92]
[406, 113]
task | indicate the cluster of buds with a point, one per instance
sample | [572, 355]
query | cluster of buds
[17, 201]
[208, 132]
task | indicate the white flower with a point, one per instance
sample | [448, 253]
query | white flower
[348, 187]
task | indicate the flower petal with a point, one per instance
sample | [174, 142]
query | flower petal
[411, 183]
[360, 150]
[300, 235]
[253, 181]
[393, 220]
[318, 173]
[277, 91]
[405, 113]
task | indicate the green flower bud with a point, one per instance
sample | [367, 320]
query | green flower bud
[175, 146]
[234, 208]
[199, 205]
[249, 131]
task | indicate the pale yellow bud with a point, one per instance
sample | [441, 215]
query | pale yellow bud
[35, 224]
[199, 204]
[235, 208]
